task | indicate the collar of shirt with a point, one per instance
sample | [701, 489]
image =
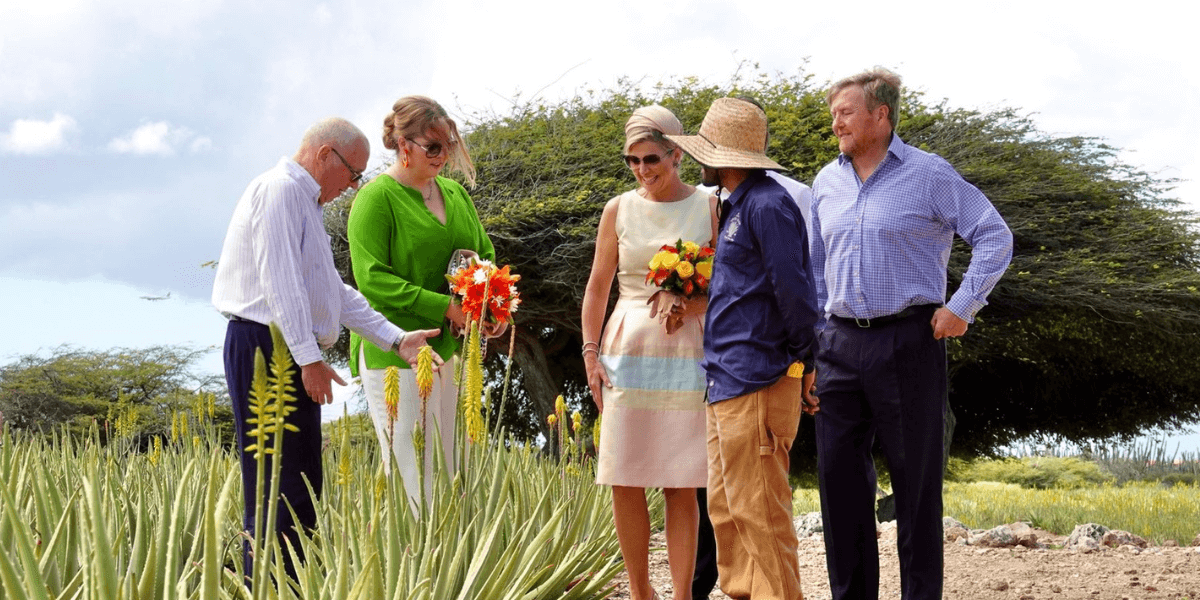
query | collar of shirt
[303, 177]
[743, 188]
[896, 148]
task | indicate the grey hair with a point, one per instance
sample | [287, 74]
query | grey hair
[335, 131]
[879, 86]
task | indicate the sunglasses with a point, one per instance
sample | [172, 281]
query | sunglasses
[649, 159]
[433, 150]
[355, 175]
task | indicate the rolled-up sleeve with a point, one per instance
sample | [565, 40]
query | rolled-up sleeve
[977, 222]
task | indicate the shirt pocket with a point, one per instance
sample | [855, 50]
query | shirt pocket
[737, 261]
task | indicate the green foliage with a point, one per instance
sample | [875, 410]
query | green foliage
[1152, 511]
[1041, 473]
[357, 427]
[145, 387]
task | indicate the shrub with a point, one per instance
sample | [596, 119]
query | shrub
[1040, 472]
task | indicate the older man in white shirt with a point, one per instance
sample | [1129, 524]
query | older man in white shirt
[277, 267]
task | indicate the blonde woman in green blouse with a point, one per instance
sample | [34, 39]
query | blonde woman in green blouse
[403, 229]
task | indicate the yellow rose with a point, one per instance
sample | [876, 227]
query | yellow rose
[656, 262]
[691, 248]
[670, 259]
[705, 269]
[685, 269]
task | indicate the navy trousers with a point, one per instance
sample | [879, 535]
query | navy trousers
[887, 383]
[301, 456]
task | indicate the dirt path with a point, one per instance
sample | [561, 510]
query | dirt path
[1003, 574]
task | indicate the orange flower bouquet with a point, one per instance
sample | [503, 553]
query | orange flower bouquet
[488, 292]
[684, 268]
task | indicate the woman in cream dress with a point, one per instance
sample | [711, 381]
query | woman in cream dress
[643, 370]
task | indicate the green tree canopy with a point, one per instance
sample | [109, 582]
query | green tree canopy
[1088, 336]
[73, 387]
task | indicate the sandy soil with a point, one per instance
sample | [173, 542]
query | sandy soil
[1003, 573]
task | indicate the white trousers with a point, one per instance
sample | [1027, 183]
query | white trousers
[440, 414]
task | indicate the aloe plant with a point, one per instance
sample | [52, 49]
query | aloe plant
[80, 519]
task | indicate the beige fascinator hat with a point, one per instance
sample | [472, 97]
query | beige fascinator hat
[646, 121]
[732, 136]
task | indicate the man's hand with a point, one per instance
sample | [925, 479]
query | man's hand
[410, 347]
[809, 403]
[316, 377]
[947, 324]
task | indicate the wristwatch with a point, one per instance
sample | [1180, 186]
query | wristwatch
[396, 344]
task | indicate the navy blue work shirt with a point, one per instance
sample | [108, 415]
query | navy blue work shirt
[761, 301]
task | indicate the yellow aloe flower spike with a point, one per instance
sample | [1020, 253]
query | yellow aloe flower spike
[596, 433]
[391, 398]
[418, 440]
[472, 404]
[425, 371]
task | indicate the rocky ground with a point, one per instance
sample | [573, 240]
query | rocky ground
[1010, 563]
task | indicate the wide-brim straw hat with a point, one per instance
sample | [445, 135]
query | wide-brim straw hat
[732, 136]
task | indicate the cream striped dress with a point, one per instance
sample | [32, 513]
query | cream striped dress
[653, 432]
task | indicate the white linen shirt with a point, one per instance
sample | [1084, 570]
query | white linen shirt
[277, 266]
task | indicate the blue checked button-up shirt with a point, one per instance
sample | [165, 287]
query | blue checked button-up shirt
[761, 305]
[882, 245]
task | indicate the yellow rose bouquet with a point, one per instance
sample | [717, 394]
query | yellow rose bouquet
[684, 268]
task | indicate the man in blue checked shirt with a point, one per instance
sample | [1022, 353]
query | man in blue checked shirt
[884, 217]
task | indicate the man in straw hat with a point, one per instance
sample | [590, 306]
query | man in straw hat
[884, 219]
[758, 335]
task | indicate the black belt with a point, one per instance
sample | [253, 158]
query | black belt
[241, 320]
[911, 311]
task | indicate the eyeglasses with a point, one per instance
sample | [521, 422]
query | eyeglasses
[649, 159]
[355, 175]
[433, 150]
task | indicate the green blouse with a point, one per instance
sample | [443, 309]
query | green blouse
[399, 252]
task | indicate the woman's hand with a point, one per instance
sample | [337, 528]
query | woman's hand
[597, 378]
[666, 306]
[457, 317]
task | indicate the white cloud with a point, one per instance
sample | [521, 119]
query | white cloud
[200, 144]
[160, 138]
[30, 136]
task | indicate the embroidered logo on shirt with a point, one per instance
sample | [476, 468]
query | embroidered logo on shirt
[731, 230]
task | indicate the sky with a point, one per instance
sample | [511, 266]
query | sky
[129, 128]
